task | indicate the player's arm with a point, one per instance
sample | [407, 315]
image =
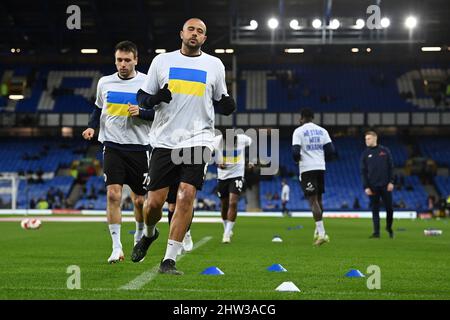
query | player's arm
[296, 146]
[390, 172]
[222, 102]
[94, 118]
[363, 167]
[150, 94]
[296, 149]
[330, 151]
[136, 111]
[148, 101]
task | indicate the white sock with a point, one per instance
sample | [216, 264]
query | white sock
[320, 228]
[229, 227]
[114, 231]
[225, 222]
[139, 231]
[172, 249]
[149, 231]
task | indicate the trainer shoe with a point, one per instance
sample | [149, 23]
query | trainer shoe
[168, 267]
[188, 245]
[226, 238]
[135, 243]
[116, 256]
[322, 240]
[374, 236]
[140, 249]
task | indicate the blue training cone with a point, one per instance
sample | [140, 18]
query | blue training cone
[354, 273]
[276, 268]
[214, 271]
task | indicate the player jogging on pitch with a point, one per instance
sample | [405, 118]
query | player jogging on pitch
[230, 157]
[180, 86]
[311, 146]
[124, 129]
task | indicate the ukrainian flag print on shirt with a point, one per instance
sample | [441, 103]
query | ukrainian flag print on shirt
[232, 157]
[187, 81]
[117, 103]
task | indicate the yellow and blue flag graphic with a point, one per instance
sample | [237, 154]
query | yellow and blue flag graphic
[231, 157]
[187, 81]
[117, 103]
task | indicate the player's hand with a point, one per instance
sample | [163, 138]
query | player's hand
[164, 94]
[88, 134]
[250, 165]
[222, 166]
[226, 105]
[390, 187]
[133, 110]
[369, 192]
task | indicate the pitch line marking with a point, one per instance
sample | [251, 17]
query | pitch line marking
[147, 276]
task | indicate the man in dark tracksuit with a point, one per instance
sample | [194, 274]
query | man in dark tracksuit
[378, 180]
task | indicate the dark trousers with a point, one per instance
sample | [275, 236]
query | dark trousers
[284, 208]
[381, 194]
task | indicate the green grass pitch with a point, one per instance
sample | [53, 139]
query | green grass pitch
[413, 266]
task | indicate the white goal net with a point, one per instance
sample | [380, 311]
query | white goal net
[8, 192]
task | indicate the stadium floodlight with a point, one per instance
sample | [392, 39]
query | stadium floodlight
[334, 24]
[355, 50]
[18, 50]
[16, 96]
[359, 24]
[431, 49]
[13, 50]
[89, 51]
[294, 24]
[273, 23]
[253, 25]
[368, 49]
[411, 22]
[229, 50]
[219, 51]
[385, 22]
[317, 23]
[294, 50]
[158, 51]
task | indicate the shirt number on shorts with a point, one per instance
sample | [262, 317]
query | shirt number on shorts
[146, 179]
[239, 184]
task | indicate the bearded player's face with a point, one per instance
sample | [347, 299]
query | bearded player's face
[125, 63]
[193, 34]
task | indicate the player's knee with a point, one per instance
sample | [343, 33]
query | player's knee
[154, 204]
[114, 195]
[186, 194]
[138, 201]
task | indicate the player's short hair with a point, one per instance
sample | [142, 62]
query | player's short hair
[371, 133]
[127, 46]
[307, 113]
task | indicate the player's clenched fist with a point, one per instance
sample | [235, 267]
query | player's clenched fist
[88, 134]
[133, 110]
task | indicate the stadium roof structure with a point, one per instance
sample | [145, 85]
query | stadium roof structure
[39, 27]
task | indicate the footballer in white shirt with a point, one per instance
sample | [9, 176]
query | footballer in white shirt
[186, 88]
[311, 148]
[229, 151]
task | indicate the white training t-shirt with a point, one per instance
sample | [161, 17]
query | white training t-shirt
[311, 139]
[116, 124]
[233, 159]
[188, 119]
[285, 193]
